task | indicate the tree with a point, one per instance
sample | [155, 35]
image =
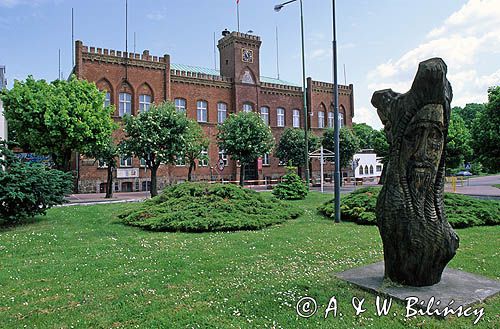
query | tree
[107, 155]
[157, 136]
[380, 144]
[28, 189]
[458, 142]
[348, 144]
[245, 137]
[366, 135]
[486, 132]
[195, 143]
[291, 147]
[468, 113]
[58, 118]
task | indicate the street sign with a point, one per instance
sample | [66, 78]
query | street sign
[221, 164]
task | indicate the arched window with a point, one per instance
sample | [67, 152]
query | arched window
[145, 97]
[247, 107]
[366, 170]
[341, 116]
[201, 111]
[321, 119]
[280, 117]
[361, 170]
[125, 100]
[330, 119]
[180, 105]
[221, 112]
[371, 169]
[296, 118]
[264, 114]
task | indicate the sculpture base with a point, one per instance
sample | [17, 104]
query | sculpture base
[463, 288]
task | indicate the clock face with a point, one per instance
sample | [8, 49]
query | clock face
[247, 55]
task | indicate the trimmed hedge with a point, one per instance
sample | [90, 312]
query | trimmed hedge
[461, 210]
[202, 207]
[292, 187]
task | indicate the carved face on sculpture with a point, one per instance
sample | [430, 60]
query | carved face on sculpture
[422, 148]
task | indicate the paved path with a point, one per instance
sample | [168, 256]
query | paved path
[477, 186]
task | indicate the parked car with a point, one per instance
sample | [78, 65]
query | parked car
[463, 173]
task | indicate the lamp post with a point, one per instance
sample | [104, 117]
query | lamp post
[336, 174]
[306, 151]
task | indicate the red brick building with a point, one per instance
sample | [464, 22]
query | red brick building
[134, 81]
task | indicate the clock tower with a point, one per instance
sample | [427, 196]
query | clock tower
[239, 57]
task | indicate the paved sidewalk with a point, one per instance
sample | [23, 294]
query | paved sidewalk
[476, 186]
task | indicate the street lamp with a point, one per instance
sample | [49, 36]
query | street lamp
[306, 151]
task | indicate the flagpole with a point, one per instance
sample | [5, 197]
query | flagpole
[238, 13]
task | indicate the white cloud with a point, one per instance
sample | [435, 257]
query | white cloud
[156, 16]
[465, 38]
[368, 116]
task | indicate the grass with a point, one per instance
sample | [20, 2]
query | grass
[78, 267]
[496, 185]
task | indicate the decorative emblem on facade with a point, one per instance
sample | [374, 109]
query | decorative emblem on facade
[247, 78]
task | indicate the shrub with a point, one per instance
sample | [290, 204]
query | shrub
[199, 207]
[28, 189]
[461, 210]
[292, 187]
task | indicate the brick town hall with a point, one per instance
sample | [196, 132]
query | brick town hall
[133, 82]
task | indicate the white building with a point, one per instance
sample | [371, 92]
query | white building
[367, 165]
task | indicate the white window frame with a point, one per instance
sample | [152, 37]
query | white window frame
[331, 119]
[180, 105]
[202, 111]
[247, 107]
[221, 112]
[321, 119]
[203, 162]
[125, 104]
[144, 102]
[378, 168]
[107, 99]
[264, 114]
[296, 118]
[280, 117]
[224, 157]
[341, 119]
[266, 160]
[180, 161]
[125, 162]
[102, 164]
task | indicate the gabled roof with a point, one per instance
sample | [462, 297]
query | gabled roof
[205, 70]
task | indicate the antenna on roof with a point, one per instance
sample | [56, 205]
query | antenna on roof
[215, 55]
[72, 38]
[277, 54]
[134, 42]
[59, 75]
[345, 79]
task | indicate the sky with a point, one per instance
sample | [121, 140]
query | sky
[380, 43]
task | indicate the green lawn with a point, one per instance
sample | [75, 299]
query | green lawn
[78, 267]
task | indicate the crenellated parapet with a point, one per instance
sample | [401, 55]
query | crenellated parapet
[326, 87]
[106, 55]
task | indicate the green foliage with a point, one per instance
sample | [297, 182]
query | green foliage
[27, 189]
[461, 210]
[469, 113]
[486, 132]
[292, 187]
[348, 144]
[458, 147]
[291, 147]
[370, 138]
[200, 207]
[108, 155]
[58, 118]
[195, 143]
[245, 137]
[157, 135]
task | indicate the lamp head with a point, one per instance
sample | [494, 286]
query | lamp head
[278, 8]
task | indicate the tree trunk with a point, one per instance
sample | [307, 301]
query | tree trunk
[242, 175]
[109, 183]
[190, 170]
[299, 171]
[154, 188]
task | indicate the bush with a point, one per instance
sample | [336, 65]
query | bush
[461, 210]
[28, 189]
[200, 207]
[292, 187]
